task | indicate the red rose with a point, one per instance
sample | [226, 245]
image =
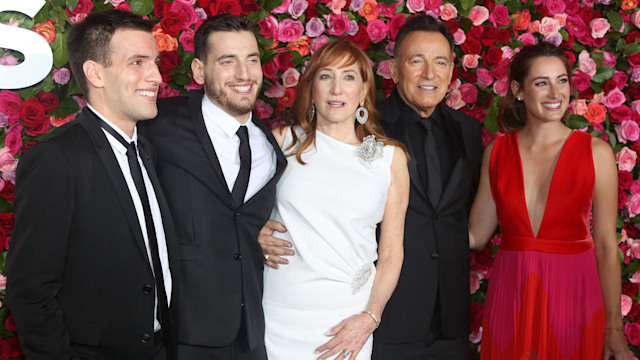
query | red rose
[489, 4]
[172, 23]
[471, 46]
[270, 70]
[623, 197]
[586, 94]
[287, 99]
[624, 180]
[504, 36]
[83, 7]
[477, 313]
[634, 60]
[633, 313]
[362, 38]
[571, 56]
[491, 56]
[169, 60]
[485, 257]
[312, 10]
[226, 7]
[469, 76]
[633, 92]
[489, 36]
[586, 14]
[477, 113]
[609, 85]
[48, 100]
[632, 333]
[456, 73]
[387, 87]
[8, 191]
[5, 348]
[31, 113]
[453, 25]
[394, 25]
[40, 129]
[620, 114]
[27, 145]
[500, 70]
[14, 346]
[7, 221]
[283, 60]
[475, 32]
[249, 7]
[160, 8]
[631, 37]
[630, 289]
[631, 230]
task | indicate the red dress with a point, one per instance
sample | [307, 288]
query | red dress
[544, 299]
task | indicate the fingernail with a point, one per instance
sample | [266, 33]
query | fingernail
[328, 333]
[317, 352]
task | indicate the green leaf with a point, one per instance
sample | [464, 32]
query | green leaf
[271, 4]
[576, 121]
[59, 47]
[631, 49]
[6, 207]
[182, 78]
[66, 107]
[58, 3]
[42, 15]
[388, 2]
[620, 45]
[141, 7]
[467, 4]
[615, 19]
[297, 59]
[258, 15]
[491, 121]
[71, 4]
[603, 74]
[73, 87]
[266, 55]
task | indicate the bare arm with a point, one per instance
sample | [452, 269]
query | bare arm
[605, 199]
[352, 333]
[483, 219]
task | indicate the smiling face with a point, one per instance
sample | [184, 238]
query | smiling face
[126, 90]
[423, 70]
[337, 92]
[545, 91]
[232, 75]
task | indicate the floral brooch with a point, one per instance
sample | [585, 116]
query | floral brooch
[369, 150]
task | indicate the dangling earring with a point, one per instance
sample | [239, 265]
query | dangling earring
[362, 114]
[313, 112]
[519, 98]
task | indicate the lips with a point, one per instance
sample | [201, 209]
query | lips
[427, 87]
[147, 93]
[241, 89]
[335, 104]
[552, 105]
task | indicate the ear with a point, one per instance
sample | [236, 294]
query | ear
[515, 88]
[94, 72]
[363, 98]
[197, 67]
[393, 70]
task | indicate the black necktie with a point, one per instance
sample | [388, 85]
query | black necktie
[434, 177]
[242, 181]
[136, 174]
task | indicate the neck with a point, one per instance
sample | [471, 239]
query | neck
[543, 133]
[127, 126]
[343, 131]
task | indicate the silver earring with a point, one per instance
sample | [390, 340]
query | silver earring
[313, 111]
[362, 114]
[519, 98]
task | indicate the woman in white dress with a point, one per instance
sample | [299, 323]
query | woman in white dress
[344, 177]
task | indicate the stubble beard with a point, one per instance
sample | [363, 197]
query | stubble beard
[245, 106]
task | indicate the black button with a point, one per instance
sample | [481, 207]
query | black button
[145, 338]
[435, 256]
[237, 256]
[147, 289]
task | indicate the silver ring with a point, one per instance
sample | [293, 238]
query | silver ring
[346, 353]
[266, 257]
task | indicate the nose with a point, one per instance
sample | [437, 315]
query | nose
[242, 71]
[553, 91]
[427, 71]
[336, 87]
[154, 74]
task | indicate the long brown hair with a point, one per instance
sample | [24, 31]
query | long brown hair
[336, 52]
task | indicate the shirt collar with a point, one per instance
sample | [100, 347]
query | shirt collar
[113, 140]
[224, 121]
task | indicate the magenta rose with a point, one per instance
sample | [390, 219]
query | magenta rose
[186, 39]
[581, 80]
[628, 130]
[268, 27]
[634, 60]
[500, 87]
[500, 16]
[186, 10]
[10, 105]
[554, 7]
[318, 42]
[383, 69]
[632, 333]
[262, 110]
[626, 159]
[13, 140]
[387, 11]
[620, 114]
[290, 30]
[283, 8]
[501, 70]
[338, 24]
[614, 99]
[283, 60]
[469, 93]
[315, 28]
[394, 25]
[576, 26]
[484, 77]
[433, 6]
[84, 7]
[377, 30]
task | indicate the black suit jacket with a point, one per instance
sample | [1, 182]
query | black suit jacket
[221, 260]
[79, 281]
[436, 242]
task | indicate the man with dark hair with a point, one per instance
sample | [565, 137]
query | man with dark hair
[428, 315]
[89, 272]
[219, 166]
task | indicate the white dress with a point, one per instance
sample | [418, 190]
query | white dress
[331, 207]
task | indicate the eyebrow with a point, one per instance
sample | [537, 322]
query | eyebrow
[548, 78]
[437, 57]
[329, 69]
[232, 56]
[139, 56]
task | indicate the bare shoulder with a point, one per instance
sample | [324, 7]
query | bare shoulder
[602, 152]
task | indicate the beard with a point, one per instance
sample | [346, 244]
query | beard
[220, 96]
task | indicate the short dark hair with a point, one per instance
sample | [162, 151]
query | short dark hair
[512, 114]
[220, 22]
[90, 39]
[423, 23]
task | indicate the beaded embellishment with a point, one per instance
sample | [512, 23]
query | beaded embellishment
[369, 150]
[360, 278]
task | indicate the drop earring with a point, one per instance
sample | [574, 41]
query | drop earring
[312, 112]
[362, 114]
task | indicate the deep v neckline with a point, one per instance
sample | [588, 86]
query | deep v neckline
[553, 177]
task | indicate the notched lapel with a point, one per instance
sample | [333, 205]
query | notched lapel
[454, 128]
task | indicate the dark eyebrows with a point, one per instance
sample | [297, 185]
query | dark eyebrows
[548, 78]
[232, 56]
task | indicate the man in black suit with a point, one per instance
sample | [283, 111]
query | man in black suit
[428, 315]
[219, 166]
[89, 273]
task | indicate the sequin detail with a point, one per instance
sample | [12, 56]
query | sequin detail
[360, 278]
[369, 150]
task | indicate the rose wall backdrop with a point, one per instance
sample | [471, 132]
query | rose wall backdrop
[601, 39]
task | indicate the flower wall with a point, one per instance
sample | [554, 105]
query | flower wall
[601, 39]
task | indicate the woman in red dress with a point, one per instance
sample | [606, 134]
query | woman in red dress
[554, 289]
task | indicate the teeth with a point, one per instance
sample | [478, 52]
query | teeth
[335, 103]
[146, 93]
[241, 88]
[427, 87]
[552, 106]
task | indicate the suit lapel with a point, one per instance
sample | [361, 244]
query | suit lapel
[90, 122]
[453, 127]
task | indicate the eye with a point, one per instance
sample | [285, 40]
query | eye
[226, 62]
[136, 62]
[442, 63]
[563, 81]
[540, 83]
[416, 61]
[350, 77]
[324, 77]
[254, 61]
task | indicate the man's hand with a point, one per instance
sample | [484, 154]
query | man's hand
[273, 247]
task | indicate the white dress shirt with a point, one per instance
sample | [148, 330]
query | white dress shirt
[222, 130]
[120, 152]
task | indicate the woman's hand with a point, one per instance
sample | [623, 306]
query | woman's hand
[349, 336]
[615, 345]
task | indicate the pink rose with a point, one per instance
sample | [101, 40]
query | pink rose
[635, 188]
[387, 11]
[633, 207]
[626, 159]
[318, 42]
[562, 19]
[635, 105]
[290, 30]
[61, 76]
[297, 8]
[283, 8]
[470, 61]
[635, 18]
[500, 87]
[268, 27]
[614, 99]
[628, 130]
[290, 77]
[478, 15]
[377, 31]
[635, 278]
[383, 69]
[527, 38]
[474, 283]
[475, 336]
[165, 91]
[579, 106]
[459, 37]
[8, 60]
[356, 5]
[534, 27]
[10, 105]
[469, 93]
[554, 6]
[549, 26]
[635, 75]
[338, 24]
[353, 28]
[581, 80]
[187, 11]
[336, 6]
[599, 27]
[586, 63]
[500, 16]
[620, 78]
[433, 6]
[275, 91]
[315, 27]
[555, 39]
[625, 304]
[454, 100]
[415, 6]
[484, 77]
[448, 11]
[262, 110]
[186, 39]
[14, 139]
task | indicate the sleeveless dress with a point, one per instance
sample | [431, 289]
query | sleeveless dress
[544, 299]
[331, 207]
